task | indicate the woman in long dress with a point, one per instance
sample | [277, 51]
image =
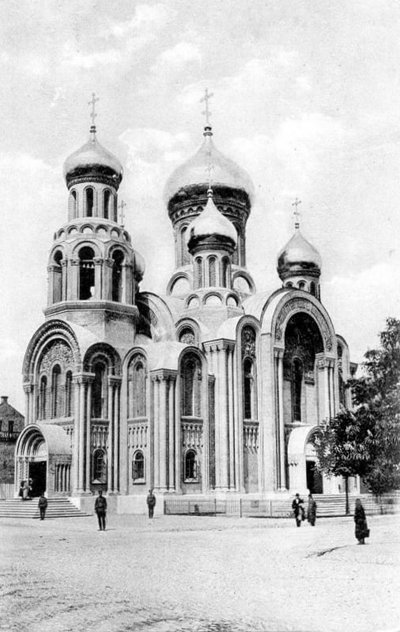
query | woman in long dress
[361, 530]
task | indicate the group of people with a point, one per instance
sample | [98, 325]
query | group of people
[299, 511]
[25, 489]
[361, 526]
[100, 507]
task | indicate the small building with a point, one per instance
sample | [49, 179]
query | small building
[11, 424]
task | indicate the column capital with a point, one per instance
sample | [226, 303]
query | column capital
[278, 353]
[53, 267]
[28, 387]
[163, 375]
[221, 344]
[74, 262]
[83, 378]
[64, 262]
[109, 262]
[98, 261]
[114, 380]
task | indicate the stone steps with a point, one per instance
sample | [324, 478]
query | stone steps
[56, 508]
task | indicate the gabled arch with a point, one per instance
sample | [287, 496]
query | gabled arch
[53, 330]
[106, 353]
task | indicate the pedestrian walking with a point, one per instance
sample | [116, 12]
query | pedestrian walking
[100, 507]
[151, 502]
[42, 506]
[298, 509]
[361, 530]
[311, 510]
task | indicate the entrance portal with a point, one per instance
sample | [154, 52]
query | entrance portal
[37, 472]
[314, 478]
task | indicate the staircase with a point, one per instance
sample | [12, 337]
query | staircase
[56, 508]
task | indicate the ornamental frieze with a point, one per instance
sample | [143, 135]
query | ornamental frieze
[58, 353]
[301, 305]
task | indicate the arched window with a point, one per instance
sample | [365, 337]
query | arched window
[199, 272]
[289, 284]
[138, 466]
[212, 272]
[137, 388]
[99, 391]
[224, 272]
[57, 277]
[99, 466]
[72, 205]
[118, 258]
[89, 193]
[43, 398]
[185, 255]
[187, 336]
[190, 465]
[248, 388]
[302, 285]
[236, 252]
[312, 288]
[55, 391]
[191, 386]
[297, 381]
[68, 394]
[107, 204]
[86, 273]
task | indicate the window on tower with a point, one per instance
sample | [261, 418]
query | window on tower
[190, 465]
[191, 386]
[212, 272]
[57, 277]
[55, 391]
[86, 273]
[72, 205]
[107, 204]
[89, 202]
[118, 258]
[99, 391]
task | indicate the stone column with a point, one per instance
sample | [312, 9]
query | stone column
[111, 437]
[73, 286]
[162, 436]
[178, 440]
[76, 487]
[107, 279]
[280, 429]
[221, 419]
[98, 278]
[156, 431]
[116, 424]
[231, 421]
[50, 283]
[28, 389]
[126, 283]
[323, 382]
[88, 433]
[64, 266]
[171, 433]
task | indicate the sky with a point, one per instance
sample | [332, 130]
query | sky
[306, 99]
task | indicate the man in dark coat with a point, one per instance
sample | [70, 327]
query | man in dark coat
[42, 506]
[298, 509]
[100, 507]
[151, 502]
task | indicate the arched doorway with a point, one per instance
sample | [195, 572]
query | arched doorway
[302, 461]
[313, 476]
[39, 451]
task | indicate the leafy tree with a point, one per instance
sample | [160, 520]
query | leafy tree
[366, 441]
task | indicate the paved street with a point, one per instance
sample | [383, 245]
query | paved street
[178, 574]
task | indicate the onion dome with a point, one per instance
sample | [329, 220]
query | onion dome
[93, 161]
[211, 225]
[192, 175]
[299, 257]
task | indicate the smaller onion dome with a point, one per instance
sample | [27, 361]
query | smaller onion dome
[211, 224]
[299, 257]
[92, 159]
[193, 173]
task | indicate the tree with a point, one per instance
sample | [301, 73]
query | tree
[366, 441]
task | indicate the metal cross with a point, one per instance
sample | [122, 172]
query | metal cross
[296, 212]
[206, 112]
[93, 104]
[210, 168]
[121, 207]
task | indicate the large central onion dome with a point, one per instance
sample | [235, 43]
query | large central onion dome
[299, 257]
[92, 161]
[191, 177]
[211, 224]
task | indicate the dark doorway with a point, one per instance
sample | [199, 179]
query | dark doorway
[37, 472]
[314, 478]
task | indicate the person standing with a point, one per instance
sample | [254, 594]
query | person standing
[42, 506]
[311, 510]
[100, 507]
[361, 529]
[151, 503]
[298, 509]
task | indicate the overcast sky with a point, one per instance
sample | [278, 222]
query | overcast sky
[307, 99]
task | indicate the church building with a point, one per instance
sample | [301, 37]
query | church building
[209, 390]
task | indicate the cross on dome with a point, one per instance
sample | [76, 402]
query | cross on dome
[296, 213]
[206, 112]
[93, 113]
[121, 207]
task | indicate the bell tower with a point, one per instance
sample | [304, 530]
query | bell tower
[93, 271]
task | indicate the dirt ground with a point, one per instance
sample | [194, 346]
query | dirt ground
[201, 574]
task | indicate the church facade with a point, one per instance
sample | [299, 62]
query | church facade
[209, 390]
